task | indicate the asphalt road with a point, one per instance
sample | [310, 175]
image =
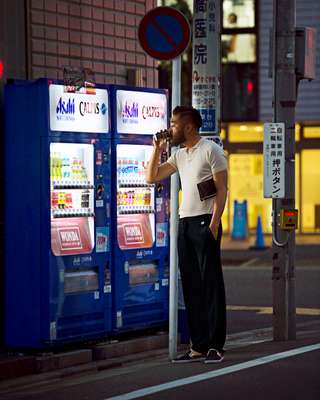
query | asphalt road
[251, 287]
[245, 372]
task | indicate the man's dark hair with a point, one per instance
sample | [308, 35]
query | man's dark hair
[193, 114]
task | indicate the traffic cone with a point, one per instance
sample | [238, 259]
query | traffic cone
[259, 236]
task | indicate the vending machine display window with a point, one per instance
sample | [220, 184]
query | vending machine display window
[81, 281]
[143, 273]
[135, 198]
[72, 198]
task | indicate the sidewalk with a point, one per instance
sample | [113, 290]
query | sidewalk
[241, 348]
[111, 354]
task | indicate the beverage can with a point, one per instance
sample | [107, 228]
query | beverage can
[165, 134]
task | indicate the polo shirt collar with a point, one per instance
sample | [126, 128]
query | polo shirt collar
[191, 149]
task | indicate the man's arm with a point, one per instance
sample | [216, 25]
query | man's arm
[156, 172]
[221, 181]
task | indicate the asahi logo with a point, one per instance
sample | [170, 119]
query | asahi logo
[65, 109]
[130, 112]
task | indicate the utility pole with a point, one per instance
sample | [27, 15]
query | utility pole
[284, 102]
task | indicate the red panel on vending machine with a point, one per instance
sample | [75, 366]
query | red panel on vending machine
[70, 236]
[134, 231]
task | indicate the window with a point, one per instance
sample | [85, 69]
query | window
[239, 61]
[239, 92]
[238, 14]
[240, 48]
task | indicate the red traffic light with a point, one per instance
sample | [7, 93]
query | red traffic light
[249, 87]
[1, 69]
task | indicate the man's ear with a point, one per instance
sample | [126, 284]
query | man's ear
[188, 127]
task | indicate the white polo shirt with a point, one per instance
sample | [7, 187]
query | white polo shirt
[196, 165]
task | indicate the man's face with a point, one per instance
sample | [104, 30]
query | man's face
[177, 127]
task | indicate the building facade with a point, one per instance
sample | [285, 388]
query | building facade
[250, 88]
[40, 37]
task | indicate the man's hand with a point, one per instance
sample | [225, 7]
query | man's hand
[220, 180]
[155, 172]
[160, 145]
[214, 227]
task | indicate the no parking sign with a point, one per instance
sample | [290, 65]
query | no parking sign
[164, 33]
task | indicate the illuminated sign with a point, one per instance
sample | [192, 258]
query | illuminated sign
[78, 112]
[274, 160]
[70, 236]
[141, 112]
[288, 219]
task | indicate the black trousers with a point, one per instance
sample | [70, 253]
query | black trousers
[202, 282]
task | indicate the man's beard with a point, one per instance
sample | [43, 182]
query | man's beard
[178, 139]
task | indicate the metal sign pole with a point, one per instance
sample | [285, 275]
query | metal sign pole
[284, 96]
[160, 25]
[173, 291]
[206, 66]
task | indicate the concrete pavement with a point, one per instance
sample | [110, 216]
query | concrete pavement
[254, 366]
[250, 315]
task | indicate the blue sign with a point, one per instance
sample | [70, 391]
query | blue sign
[164, 33]
[208, 120]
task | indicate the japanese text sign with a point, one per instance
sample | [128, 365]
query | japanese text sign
[206, 63]
[274, 160]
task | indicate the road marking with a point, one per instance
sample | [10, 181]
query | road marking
[269, 310]
[249, 262]
[213, 374]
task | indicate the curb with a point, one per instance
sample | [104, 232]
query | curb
[14, 367]
[100, 356]
[119, 349]
[64, 360]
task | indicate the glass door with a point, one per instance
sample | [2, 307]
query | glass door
[135, 198]
[72, 198]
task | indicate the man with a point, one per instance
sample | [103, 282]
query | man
[199, 234]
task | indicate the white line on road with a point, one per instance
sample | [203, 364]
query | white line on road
[213, 374]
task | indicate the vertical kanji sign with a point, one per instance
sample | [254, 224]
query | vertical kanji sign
[206, 64]
[274, 160]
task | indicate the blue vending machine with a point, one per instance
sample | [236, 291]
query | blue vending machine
[140, 216]
[57, 214]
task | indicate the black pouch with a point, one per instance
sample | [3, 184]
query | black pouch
[207, 189]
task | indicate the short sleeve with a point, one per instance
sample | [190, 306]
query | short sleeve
[217, 159]
[172, 160]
